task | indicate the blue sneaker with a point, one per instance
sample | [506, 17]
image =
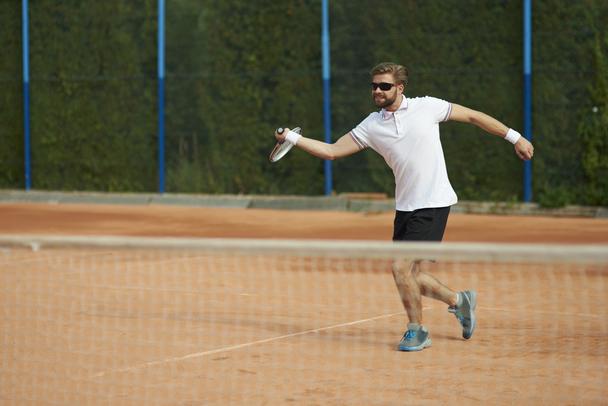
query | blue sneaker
[465, 312]
[416, 338]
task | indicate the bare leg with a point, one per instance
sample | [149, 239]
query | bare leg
[409, 290]
[431, 287]
[412, 283]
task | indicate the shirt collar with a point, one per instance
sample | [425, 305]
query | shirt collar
[388, 114]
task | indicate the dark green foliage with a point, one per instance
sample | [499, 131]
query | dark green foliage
[92, 84]
[593, 130]
[237, 69]
[11, 101]
[564, 39]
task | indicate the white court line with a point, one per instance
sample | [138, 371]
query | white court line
[316, 330]
[239, 346]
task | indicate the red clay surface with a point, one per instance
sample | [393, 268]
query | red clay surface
[171, 221]
[166, 327]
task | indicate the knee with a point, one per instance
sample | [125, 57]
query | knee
[405, 266]
[403, 272]
[398, 266]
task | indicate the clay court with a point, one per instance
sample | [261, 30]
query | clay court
[99, 325]
[174, 221]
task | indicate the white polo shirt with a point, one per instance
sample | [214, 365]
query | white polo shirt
[408, 140]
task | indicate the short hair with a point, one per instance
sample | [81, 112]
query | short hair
[399, 72]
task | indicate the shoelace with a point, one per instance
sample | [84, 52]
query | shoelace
[410, 334]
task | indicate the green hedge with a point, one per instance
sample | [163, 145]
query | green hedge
[11, 101]
[237, 69]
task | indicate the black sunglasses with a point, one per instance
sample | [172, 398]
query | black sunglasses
[383, 86]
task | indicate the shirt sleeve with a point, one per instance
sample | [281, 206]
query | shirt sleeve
[361, 133]
[439, 108]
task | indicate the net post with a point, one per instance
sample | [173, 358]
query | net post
[326, 93]
[161, 96]
[26, 92]
[527, 23]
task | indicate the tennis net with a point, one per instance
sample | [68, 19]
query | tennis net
[108, 320]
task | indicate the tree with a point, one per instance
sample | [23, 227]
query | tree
[11, 101]
[593, 129]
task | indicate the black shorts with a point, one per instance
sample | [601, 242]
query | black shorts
[420, 225]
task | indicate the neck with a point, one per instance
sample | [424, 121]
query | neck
[393, 107]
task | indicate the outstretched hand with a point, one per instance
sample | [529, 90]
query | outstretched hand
[524, 149]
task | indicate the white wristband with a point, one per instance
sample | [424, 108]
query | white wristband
[512, 136]
[292, 137]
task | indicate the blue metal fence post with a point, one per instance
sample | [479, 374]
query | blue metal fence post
[26, 93]
[161, 96]
[326, 92]
[528, 94]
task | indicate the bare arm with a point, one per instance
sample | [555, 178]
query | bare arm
[343, 147]
[523, 148]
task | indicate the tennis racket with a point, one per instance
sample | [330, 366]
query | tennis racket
[282, 148]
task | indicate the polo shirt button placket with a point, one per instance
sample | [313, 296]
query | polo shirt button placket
[396, 124]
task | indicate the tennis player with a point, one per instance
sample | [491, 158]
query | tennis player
[405, 131]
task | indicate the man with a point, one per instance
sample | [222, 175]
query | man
[406, 133]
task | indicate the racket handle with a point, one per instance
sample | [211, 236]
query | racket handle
[280, 130]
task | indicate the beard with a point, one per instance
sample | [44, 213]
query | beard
[382, 101]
